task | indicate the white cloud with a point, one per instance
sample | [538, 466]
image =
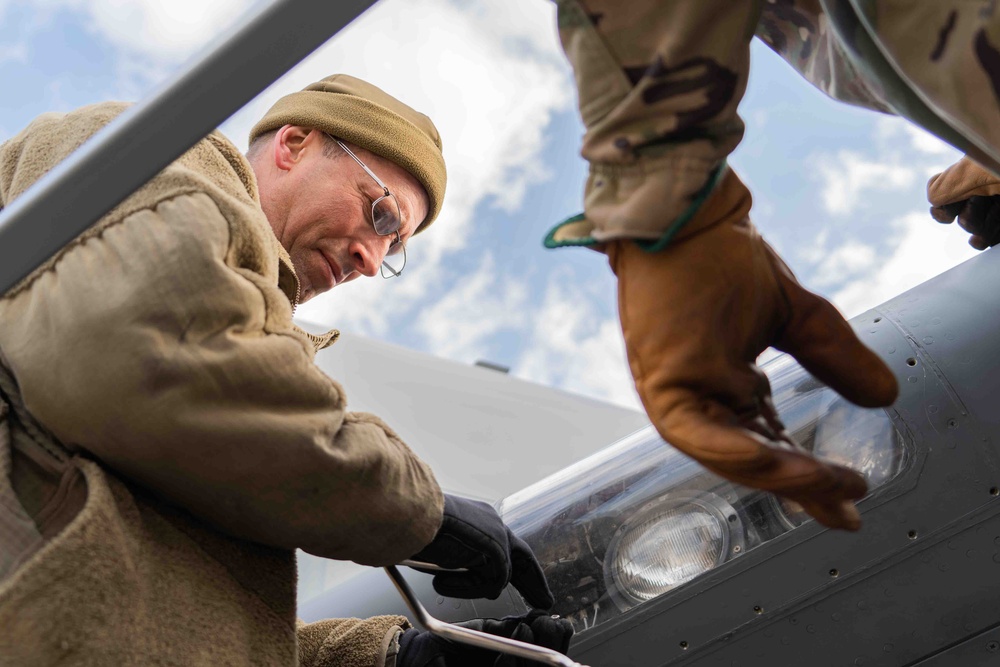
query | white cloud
[152, 37]
[890, 130]
[848, 176]
[849, 260]
[926, 249]
[460, 324]
[925, 142]
[161, 31]
[3, 7]
[17, 52]
[577, 349]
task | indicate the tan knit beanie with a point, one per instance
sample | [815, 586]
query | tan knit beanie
[358, 112]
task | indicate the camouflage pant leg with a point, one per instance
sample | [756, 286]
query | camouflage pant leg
[659, 83]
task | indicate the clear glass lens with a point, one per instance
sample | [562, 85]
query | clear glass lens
[833, 428]
[394, 260]
[666, 549]
[638, 519]
[385, 215]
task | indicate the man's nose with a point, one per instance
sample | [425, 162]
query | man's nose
[367, 258]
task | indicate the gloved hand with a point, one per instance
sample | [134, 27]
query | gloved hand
[418, 648]
[970, 192]
[473, 536]
[695, 317]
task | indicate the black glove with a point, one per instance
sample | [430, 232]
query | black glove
[418, 648]
[971, 192]
[473, 536]
[980, 216]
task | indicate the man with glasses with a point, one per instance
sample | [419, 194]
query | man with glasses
[166, 440]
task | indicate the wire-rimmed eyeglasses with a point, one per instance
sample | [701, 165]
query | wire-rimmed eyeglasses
[386, 219]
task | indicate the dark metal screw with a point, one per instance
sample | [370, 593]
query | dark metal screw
[993, 647]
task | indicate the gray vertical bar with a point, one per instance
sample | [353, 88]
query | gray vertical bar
[136, 146]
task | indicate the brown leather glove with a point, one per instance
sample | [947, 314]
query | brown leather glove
[695, 317]
[968, 191]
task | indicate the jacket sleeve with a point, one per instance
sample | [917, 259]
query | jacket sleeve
[157, 347]
[802, 35]
[350, 642]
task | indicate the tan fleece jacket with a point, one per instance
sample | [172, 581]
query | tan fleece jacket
[172, 438]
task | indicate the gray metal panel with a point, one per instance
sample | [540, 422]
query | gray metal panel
[979, 651]
[955, 320]
[148, 137]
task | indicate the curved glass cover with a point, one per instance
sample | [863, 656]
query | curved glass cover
[639, 519]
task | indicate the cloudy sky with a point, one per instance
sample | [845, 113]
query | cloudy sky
[839, 191]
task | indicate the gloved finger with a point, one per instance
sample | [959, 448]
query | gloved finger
[796, 469]
[973, 215]
[710, 433]
[527, 576]
[947, 213]
[535, 627]
[468, 585]
[551, 632]
[978, 242]
[981, 217]
[764, 420]
[991, 226]
[819, 337]
[522, 633]
[452, 552]
[473, 537]
[832, 489]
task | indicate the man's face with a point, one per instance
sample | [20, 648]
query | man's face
[320, 207]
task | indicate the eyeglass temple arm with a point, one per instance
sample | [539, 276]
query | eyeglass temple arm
[469, 636]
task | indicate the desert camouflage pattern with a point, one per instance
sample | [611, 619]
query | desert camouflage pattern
[659, 83]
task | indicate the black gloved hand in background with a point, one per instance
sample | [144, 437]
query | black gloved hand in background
[419, 648]
[971, 193]
[473, 536]
[980, 216]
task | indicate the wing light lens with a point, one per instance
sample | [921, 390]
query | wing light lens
[666, 545]
[639, 519]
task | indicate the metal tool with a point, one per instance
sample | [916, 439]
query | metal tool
[468, 636]
[431, 567]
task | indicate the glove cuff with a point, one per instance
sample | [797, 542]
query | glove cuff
[341, 642]
[721, 197]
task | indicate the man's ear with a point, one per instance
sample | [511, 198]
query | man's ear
[289, 142]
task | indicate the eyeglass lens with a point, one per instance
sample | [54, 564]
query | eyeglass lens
[385, 215]
[386, 218]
